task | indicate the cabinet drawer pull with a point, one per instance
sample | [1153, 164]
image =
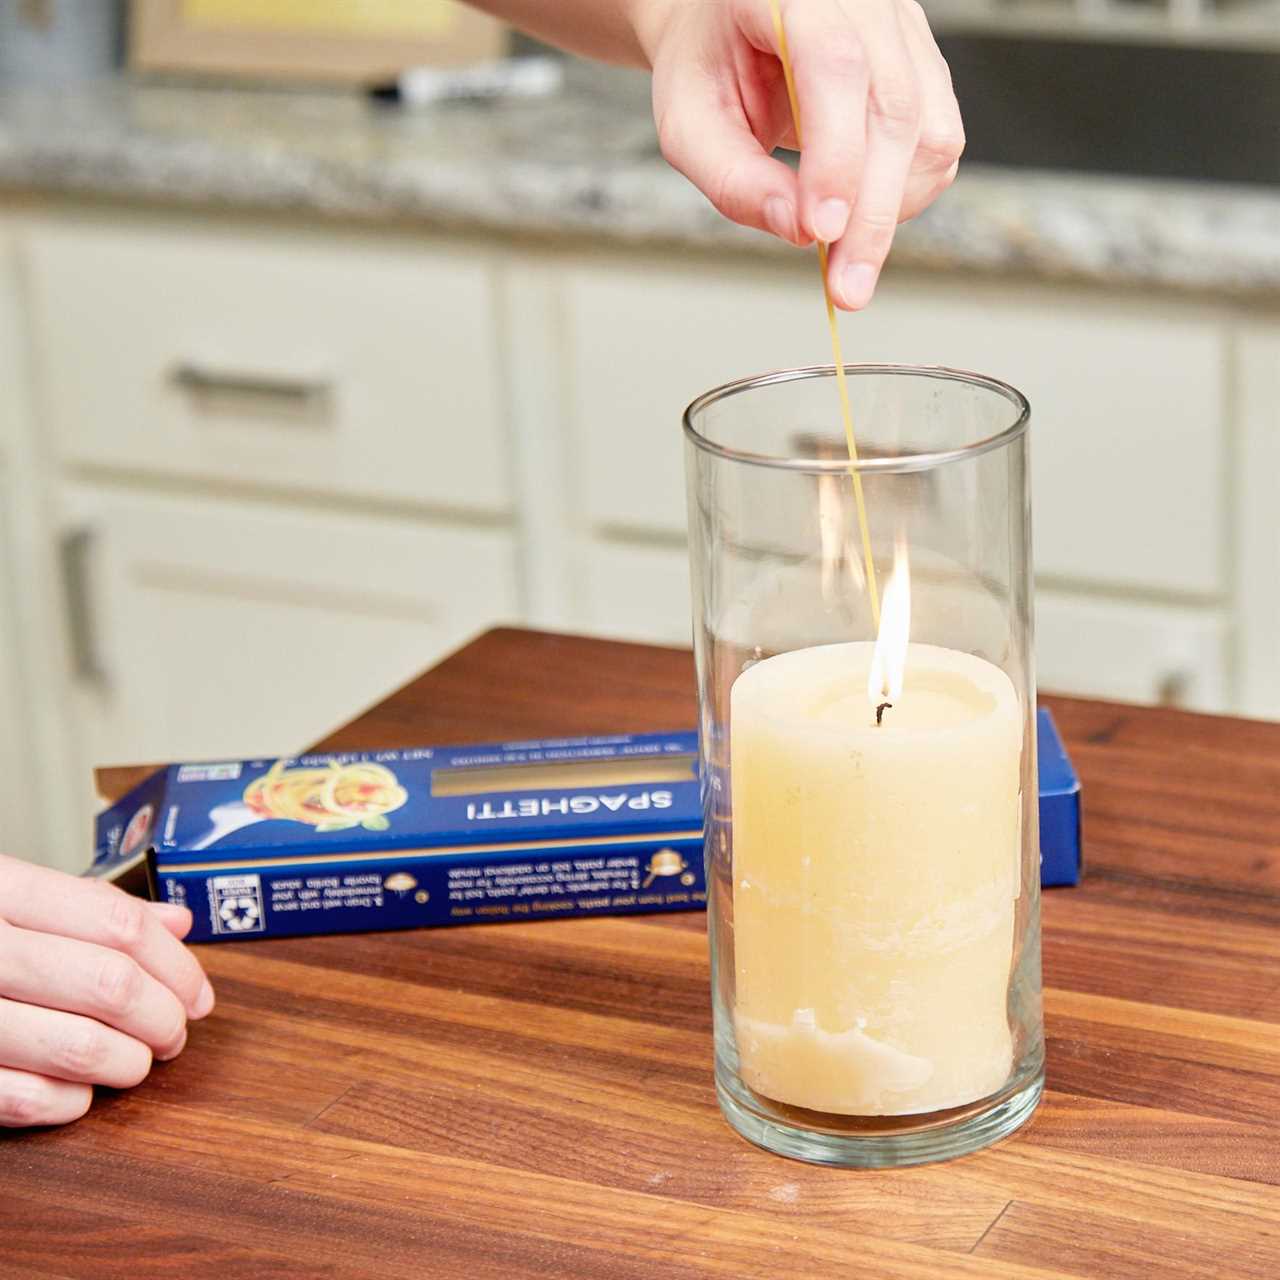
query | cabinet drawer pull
[75, 548]
[300, 391]
[1173, 688]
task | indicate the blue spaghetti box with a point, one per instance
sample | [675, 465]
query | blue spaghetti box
[350, 842]
[1060, 843]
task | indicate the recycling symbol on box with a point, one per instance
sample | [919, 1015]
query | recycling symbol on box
[236, 903]
[240, 914]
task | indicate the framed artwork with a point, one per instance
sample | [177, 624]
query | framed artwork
[316, 41]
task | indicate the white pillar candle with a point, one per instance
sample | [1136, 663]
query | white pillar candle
[875, 874]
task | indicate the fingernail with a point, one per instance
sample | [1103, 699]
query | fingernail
[204, 1001]
[830, 219]
[857, 284]
[780, 218]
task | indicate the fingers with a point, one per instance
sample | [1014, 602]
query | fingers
[880, 123]
[67, 1046]
[941, 140]
[923, 189]
[80, 977]
[174, 918]
[830, 64]
[914, 140]
[47, 901]
[893, 122]
[28, 1099]
[705, 134]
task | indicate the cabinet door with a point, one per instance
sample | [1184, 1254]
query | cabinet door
[1128, 435]
[229, 628]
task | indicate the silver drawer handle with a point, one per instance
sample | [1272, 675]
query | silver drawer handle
[279, 387]
[1173, 688]
[75, 550]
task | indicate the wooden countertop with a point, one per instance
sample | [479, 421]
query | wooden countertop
[536, 1099]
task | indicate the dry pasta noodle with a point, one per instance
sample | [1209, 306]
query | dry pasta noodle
[330, 797]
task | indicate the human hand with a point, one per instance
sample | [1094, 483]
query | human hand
[94, 984]
[881, 126]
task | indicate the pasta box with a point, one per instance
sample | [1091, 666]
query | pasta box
[348, 842]
[356, 841]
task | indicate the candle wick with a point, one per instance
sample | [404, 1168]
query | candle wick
[880, 710]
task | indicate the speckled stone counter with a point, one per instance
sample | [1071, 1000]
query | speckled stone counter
[586, 163]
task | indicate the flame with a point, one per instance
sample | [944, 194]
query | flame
[889, 660]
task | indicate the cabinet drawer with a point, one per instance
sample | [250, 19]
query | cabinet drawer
[1091, 647]
[1133, 652]
[1128, 437]
[643, 341]
[305, 362]
[233, 628]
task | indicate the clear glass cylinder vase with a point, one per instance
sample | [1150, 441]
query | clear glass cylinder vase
[869, 764]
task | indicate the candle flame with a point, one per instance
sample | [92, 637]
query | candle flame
[889, 660]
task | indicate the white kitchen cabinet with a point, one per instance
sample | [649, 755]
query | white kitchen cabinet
[21, 771]
[35, 819]
[254, 474]
[277, 359]
[235, 628]
[642, 340]
[1129, 400]
[1257, 509]
[13, 407]
[18, 817]
[1133, 652]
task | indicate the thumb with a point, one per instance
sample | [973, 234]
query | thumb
[706, 136]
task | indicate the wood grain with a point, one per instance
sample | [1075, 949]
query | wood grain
[536, 1099]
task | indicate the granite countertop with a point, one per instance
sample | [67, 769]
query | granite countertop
[585, 162]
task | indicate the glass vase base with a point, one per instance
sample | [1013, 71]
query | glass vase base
[889, 1144]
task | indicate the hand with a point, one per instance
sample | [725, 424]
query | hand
[94, 984]
[881, 127]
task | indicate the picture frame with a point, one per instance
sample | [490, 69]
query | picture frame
[319, 42]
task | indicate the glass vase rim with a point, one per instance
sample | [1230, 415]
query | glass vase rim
[882, 464]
